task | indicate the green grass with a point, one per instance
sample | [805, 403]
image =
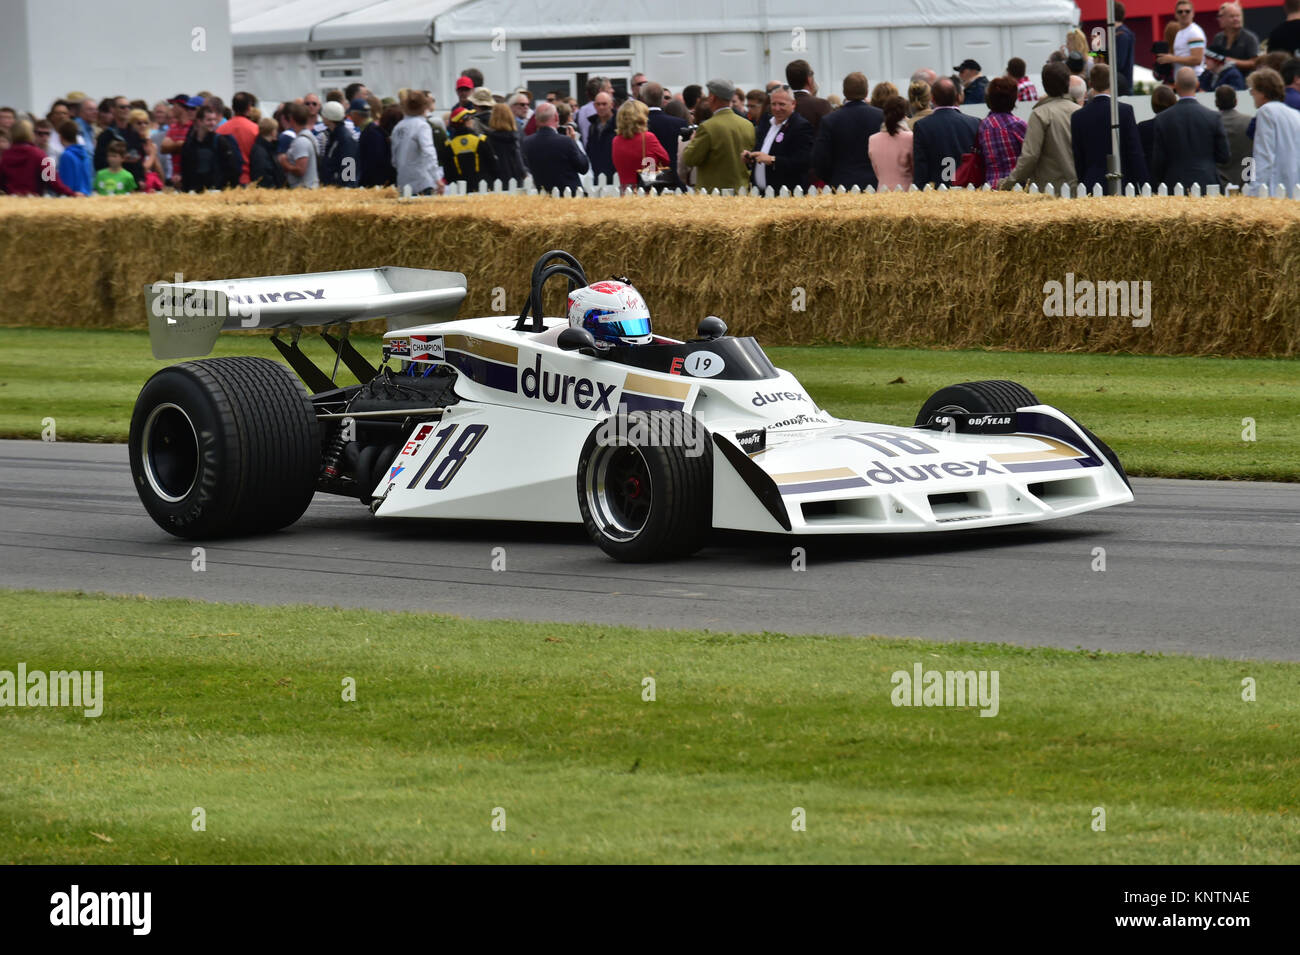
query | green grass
[1166, 417]
[238, 710]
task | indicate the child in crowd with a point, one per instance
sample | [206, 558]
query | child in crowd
[113, 179]
[76, 166]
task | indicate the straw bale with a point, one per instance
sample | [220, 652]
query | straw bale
[951, 270]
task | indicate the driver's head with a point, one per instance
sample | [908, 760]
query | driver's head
[614, 313]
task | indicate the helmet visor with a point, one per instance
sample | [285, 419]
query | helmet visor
[629, 327]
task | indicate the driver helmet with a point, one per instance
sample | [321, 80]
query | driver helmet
[614, 312]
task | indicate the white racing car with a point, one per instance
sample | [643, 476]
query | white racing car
[651, 443]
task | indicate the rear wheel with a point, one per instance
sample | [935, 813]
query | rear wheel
[224, 446]
[645, 485]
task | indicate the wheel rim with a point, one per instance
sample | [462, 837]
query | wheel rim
[619, 491]
[169, 449]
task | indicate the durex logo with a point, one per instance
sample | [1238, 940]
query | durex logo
[553, 387]
[772, 397]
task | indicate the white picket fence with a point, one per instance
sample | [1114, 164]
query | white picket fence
[599, 187]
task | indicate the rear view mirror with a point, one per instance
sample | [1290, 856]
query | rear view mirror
[577, 339]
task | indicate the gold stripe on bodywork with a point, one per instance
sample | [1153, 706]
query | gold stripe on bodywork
[799, 477]
[1055, 449]
[482, 348]
[645, 385]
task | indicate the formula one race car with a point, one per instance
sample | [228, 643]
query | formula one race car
[650, 443]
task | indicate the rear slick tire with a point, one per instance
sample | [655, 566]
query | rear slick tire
[224, 447]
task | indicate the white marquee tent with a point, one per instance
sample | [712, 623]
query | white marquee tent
[285, 47]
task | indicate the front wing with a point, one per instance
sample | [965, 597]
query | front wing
[857, 478]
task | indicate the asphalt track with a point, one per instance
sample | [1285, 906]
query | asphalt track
[1209, 568]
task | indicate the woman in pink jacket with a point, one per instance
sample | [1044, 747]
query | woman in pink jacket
[890, 149]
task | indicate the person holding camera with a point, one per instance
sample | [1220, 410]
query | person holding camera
[553, 154]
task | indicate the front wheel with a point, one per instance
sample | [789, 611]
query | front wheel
[645, 485]
[976, 397]
[224, 446]
[991, 397]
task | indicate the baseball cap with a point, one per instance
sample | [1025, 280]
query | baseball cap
[194, 102]
[359, 105]
[967, 64]
[332, 111]
[460, 113]
[464, 83]
[1217, 52]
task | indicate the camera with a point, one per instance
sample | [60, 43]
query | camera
[688, 132]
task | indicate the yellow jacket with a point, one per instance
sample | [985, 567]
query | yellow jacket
[715, 150]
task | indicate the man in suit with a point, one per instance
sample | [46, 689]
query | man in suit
[1090, 137]
[1125, 40]
[667, 129]
[555, 159]
[799, 77]
[1235, 125]
[840, 148]
[600, 136]
[1188, 140]
[715, 149]
[785, 142]
[940, 140]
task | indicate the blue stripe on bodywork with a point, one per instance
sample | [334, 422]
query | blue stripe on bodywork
[489, 373]
[636, 402]
[1033, 422]
[1060, 464]
[809, 487]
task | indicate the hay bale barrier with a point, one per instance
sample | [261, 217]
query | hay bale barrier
[950, 270]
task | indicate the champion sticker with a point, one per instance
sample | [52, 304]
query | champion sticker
[426, 348]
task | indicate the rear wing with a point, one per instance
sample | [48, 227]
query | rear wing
[185, 318]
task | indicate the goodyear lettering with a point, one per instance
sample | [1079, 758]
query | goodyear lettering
[554, 388]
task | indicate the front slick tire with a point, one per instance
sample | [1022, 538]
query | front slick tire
[223, 447]
[645, 485]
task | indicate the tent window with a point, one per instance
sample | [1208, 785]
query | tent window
[339, 53]
[576, 43]
[585, 64]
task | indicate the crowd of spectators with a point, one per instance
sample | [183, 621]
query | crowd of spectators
[710, 136]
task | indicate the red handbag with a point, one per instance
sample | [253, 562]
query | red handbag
[971, 171]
